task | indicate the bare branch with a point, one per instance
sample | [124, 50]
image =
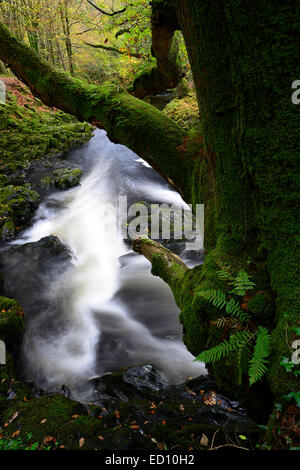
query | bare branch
[113, 49]
[105, 12]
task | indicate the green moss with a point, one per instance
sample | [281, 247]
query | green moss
[11, 323]
[184, 111]
[17, 204]
[28, 133]
[65, 178]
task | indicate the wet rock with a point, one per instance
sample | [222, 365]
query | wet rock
[142, 396]
[28, 269]
[66, 178]
[145, 378]
[45, 184]
[128, 383]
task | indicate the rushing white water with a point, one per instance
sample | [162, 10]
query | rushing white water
[116, 313]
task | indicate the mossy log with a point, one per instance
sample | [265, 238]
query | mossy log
[127, 120]
[165, 263]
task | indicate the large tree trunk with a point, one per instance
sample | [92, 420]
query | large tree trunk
[168, 70]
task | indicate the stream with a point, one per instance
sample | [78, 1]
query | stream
[109, 311]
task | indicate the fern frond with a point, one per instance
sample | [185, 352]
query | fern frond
[233, 308]
[216, 297]
[225, 273]
[223, 349]
[242, 283]
[222, 322]
[258, 363]
[219, 322]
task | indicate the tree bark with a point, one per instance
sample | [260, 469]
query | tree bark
[168, 71]
[165, 263]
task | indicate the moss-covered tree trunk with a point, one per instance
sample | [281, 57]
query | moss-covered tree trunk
[244, 57]
[168, 70]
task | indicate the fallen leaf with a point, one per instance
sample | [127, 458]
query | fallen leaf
[181, 407]
[191, 392]
[14, 434]
[160, 446]
[81, 441]
[43, 421]
[101, 438]
[75, 416]
[117, 413]
[48, 439]
[204, 440]
[14, 416]
[164, 422]
[135, 426]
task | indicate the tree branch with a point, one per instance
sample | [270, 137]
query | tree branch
[113, 49]
[106, 13]
[127, 120]
[165, 264]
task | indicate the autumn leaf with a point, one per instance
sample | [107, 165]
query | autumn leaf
[81, 441]
[43, 421]
[204, 440]
[191, 392]
[117, 413]
[75, 416]
[181, 407]
[48, 439]
[15, 434]
[101, 438]
[135, 426]
[14, 416]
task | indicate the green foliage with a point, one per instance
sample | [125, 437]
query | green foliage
[239, 346]
[242, 283]
[236, 341]
[258, 363]
[218, 299]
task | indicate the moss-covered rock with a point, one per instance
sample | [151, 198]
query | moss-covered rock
[17, 204]
[11, 323]
[35, 131]
[66, 178]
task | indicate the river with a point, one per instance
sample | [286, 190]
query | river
[114, 313]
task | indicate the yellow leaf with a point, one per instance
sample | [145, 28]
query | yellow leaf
[81, 441]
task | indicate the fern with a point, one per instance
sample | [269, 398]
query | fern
[224, 273]
[261, 351]
[218, 299]
[236, 341]
[242, 283]
[223, 322]
[233, 308]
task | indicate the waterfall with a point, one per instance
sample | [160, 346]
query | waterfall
[114, 312]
